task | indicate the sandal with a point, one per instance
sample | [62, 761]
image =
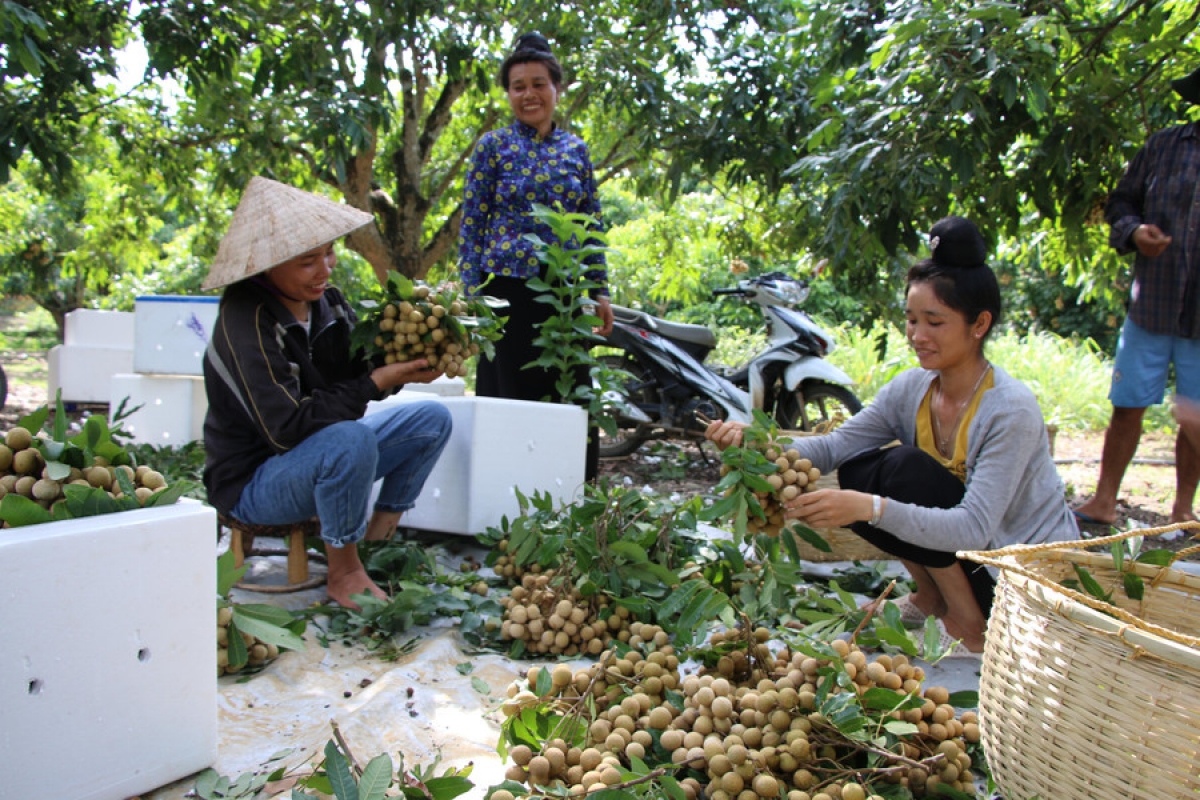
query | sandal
[910, 615]
[951, 647]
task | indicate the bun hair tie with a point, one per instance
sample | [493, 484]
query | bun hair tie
[956, 242]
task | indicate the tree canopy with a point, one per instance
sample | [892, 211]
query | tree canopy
[846, 127]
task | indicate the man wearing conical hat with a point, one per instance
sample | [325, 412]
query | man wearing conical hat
[285, 437]
[1154, 213]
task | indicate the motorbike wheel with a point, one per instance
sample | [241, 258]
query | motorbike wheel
[813, 403]
[3, 388]
[629, 436]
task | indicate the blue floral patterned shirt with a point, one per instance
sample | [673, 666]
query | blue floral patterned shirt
[511, 169]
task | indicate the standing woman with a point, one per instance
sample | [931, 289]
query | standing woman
[530, 161]
[285, 437]
[972, 470]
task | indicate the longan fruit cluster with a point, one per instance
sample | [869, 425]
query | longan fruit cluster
[765, 737]
[506, 565]
[259, 652]
[415, 326]
[622, 689]
[557, 619]
[23, 471]
[769, 738]
[793, 475]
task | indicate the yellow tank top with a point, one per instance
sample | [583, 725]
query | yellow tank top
[926, 440]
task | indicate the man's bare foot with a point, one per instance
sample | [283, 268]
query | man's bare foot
[347, 576]
[1181, 515]
[342, 587]
[1094, 512]
[381, 527]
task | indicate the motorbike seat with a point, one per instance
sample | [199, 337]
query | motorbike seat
[700, 335]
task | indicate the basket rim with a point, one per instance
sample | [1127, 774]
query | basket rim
[1184, 649]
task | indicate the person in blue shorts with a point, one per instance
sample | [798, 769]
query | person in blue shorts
[1155, 213]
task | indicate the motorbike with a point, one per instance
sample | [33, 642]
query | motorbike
[671, 388]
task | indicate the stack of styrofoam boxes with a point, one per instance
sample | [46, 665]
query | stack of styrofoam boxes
[497, 447]
[96, 345]
[167, 388]
[108, 671]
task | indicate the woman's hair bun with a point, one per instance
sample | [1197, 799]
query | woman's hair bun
[533, 41]
[956, 242]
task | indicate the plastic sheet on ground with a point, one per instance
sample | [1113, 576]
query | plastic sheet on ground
[419, 707]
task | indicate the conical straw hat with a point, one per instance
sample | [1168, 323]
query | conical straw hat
[273, 223]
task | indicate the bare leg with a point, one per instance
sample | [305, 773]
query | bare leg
[928, 597]
[347, 576]
[382, 526]
[1187, 474]
[963, 617]
[1120, 443]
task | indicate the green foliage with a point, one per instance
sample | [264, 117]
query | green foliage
[340, 776]
[881, 120]
[62, 454]
[420, 591]
[270, 624]
[1125, 554]
[616, 542]
[211, 785]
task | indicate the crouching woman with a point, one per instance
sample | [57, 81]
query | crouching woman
[972, 469]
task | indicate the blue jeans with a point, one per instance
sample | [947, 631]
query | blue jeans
[331, 473]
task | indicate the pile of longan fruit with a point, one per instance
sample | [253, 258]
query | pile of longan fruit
[763, 737]
[415, 326]
[793, 475]
[258, 651]
[23, 471]
[555, 618]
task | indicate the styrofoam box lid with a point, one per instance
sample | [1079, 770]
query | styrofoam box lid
[175, 298]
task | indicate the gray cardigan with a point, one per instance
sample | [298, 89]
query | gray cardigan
[1014, 493]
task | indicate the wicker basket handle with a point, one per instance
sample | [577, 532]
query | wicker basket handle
[995, 558]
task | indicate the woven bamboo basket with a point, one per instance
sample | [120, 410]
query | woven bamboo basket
[1082, 699]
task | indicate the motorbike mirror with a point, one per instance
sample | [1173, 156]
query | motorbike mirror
[821, 265]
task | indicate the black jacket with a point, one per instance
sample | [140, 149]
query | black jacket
[270, 385]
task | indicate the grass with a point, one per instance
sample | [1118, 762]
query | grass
[27, 333]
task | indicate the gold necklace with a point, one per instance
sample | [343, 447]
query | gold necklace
[942, 441]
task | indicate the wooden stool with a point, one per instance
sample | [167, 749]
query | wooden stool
[242, 535]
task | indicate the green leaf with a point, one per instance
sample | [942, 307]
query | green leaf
[1090, 584]
[18, 510]
[227, 573]
[269, 623]
[338, 770]
[448, 787]
[964, 699]
[1135, 589]
[239, 656]
[812, 537]
[1157, 558]
[376, 778]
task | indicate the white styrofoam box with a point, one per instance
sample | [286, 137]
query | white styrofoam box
[96, 328]
[171, 332]
[446, 387]
[496, 446]
[172, 407]
[108, 672]
[84, 372]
